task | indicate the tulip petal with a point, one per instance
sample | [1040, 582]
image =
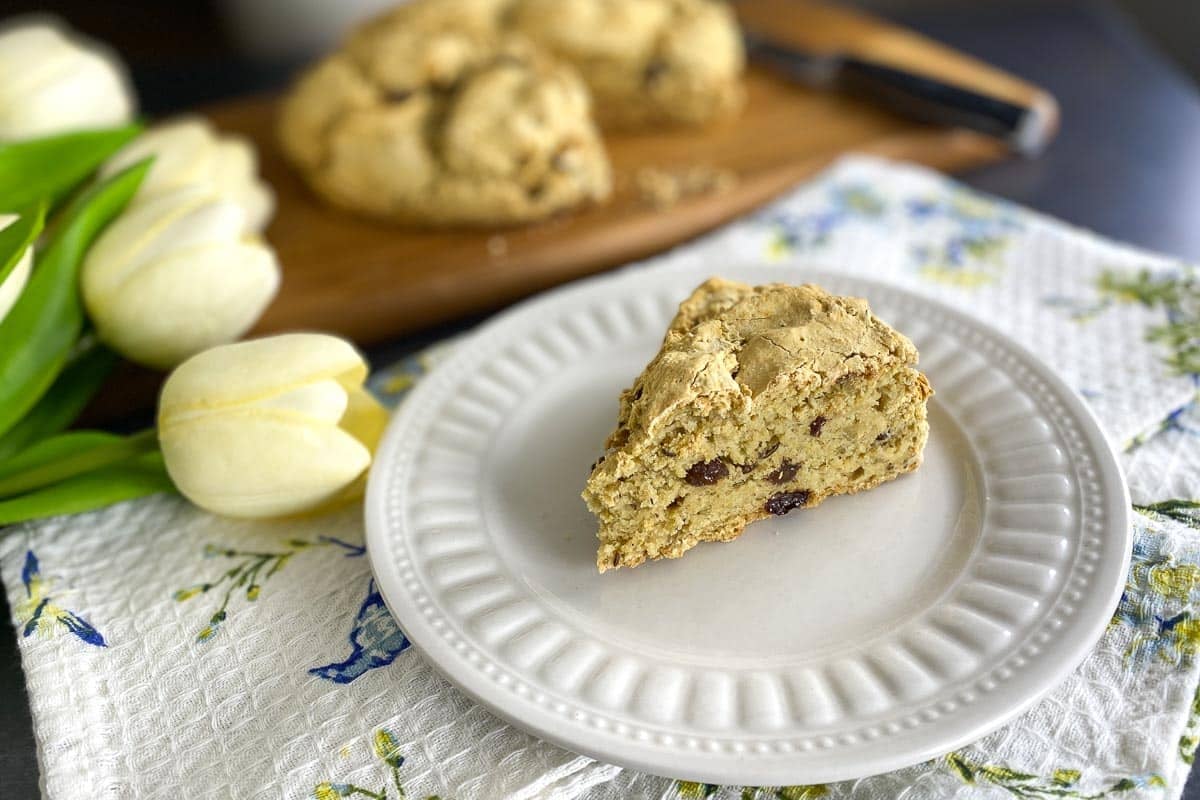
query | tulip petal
[236, 176]
[259, 203]
[91, 95]
[170, 222]
[235, 162]
[187, 301]
[183, 151]
[53, 84]
[323, 401]
[29, 55]
[247, 372]
[259, 463]
[365, 419]
[189, 152]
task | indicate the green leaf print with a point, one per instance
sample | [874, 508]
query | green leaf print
[801, 792]
[1187, 748]
[1178, 295]
[1185, 511]
[248, 574]
[1190, 739]
[1003, 775]
[1066, 777]
[1061, 783]
[961, 767]
[690, 790]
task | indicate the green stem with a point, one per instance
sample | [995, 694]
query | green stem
[220, 613]
[33, 470]
[239, 580]
[367, 792]
[227, 575]
[250, 554]
[252, 576]
[280, 560]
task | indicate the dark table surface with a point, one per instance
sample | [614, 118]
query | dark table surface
[1126, 164]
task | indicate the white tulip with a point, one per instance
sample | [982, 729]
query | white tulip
[189, 152]
[50, 83]
[270, 427]
[175, 275]
[10, 287]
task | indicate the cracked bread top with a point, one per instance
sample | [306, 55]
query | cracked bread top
[432, 113]
[731, 343]
[646, 61]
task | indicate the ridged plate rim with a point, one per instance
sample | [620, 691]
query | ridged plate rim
[1081, 609]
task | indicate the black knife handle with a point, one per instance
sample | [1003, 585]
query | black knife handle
[1026, 129]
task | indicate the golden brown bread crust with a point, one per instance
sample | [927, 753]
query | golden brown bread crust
[758, 394]
[431, 114]
[647, 62]
[474, 112]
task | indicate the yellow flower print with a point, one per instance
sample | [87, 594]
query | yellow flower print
[1176, 582]
[386, 747]
[37, 612]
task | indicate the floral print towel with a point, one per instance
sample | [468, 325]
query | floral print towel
[171, 654]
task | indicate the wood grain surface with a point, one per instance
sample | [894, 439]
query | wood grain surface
[372, 281]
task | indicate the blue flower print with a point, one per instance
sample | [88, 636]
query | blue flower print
[972, 253]
[848, 202]
[39, 612]
[375, 641]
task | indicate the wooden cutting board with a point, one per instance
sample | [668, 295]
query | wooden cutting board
[371, 281]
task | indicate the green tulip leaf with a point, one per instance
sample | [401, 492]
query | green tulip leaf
[17, 237]
[40, 331]
[55, 448]
[67, 455]
[136, 477]
[47, 169]
[83, 375]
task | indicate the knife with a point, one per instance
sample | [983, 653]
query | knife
[1026, 129]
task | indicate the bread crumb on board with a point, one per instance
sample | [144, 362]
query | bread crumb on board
[661, 188]
[497, 246]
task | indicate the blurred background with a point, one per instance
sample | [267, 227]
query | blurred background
[186, 53]
[1125, 72]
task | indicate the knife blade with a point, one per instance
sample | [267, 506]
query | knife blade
[1026, 129]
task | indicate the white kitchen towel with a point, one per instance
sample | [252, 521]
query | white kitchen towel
[172, 654]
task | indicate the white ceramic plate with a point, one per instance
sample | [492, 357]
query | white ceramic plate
[864, 635]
